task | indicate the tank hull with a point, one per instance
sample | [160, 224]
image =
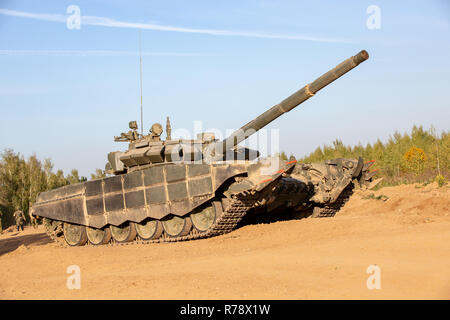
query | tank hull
[152, 193]
[182, 192]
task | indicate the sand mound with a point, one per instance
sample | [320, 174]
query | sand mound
[401, 203]
[22, 248]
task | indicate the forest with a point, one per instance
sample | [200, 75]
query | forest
[22, 179]
[419, 156]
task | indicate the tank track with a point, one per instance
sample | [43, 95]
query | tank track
[236, 209]
[331, 209]
[54, 235]
[238, 206]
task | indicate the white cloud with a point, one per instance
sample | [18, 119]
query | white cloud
[108, 22]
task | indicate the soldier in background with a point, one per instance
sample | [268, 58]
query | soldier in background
[1, 214]
[33, 220]
[20, 218]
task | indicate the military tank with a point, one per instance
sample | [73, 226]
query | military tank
[177, 189]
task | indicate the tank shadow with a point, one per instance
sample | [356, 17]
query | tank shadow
[11, 244]
[263, 217]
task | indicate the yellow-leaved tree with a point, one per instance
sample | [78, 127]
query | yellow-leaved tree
[414, 160]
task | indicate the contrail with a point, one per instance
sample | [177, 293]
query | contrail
[108, 22]
[95, 53]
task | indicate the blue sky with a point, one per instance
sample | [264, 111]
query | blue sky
[65, 93]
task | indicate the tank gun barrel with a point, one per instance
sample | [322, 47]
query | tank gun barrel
[290, 103]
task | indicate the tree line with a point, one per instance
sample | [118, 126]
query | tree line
[419, 156]
[22, 179]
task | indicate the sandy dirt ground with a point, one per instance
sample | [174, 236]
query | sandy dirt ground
[407, 237]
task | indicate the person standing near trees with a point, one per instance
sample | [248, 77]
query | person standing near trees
[20, 218]
[33, 220]
[1, 214]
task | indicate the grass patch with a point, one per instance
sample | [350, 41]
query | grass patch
[372, 196]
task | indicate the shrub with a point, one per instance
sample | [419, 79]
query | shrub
[441, 180]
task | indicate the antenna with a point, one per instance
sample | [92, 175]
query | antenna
[140, 73]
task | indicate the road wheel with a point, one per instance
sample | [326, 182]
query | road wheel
[98, 236]
[204, 218]
[149, 229]
[74, 234]
[124, 233]
[177, 226]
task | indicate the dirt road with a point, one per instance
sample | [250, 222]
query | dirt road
[407, 237]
